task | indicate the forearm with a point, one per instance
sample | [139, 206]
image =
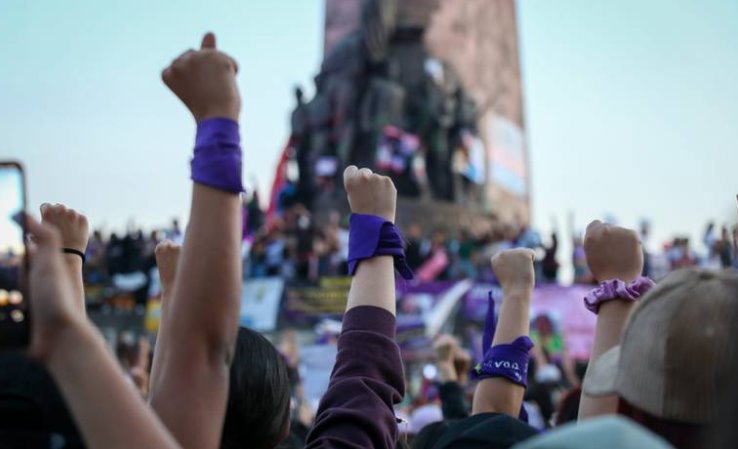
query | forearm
[74, 267]
[199, 333]
[161, 338]
[374, 284]
[497, 394]
[206, 296]
[85, 372]
[610, 321]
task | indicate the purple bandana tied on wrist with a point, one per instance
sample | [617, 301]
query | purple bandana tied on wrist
[217, 159]
[509, 361]
[369, 236]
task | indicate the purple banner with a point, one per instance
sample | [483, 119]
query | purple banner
[561, 306]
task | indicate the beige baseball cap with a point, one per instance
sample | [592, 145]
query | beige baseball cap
[673, 360]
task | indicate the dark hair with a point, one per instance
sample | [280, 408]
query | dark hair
[681, 435]
[257, 416]
[430, 434]
[568, 410]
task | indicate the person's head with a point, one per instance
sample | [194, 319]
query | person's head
[439, 237]
[257, 416]
[33, 411]
[670, 369]
[334, 218]
[544, 325]
[568, 410]
[414, 231]
[125, 348]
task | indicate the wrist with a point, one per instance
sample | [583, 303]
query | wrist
[217, 112]
[69, 339]
[519, 292]
[73, 262]
[446, 372]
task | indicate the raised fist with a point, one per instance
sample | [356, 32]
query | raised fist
[514, 269]
[613, 252]
[205, 81]
[73, 227]
[369, 193]
[167, 259]
[445, 348]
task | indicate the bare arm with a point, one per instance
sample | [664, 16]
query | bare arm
[74, 231]
[514, 269]
[198, 337]
[167, 260]
[610, 323]
[75, 355]
[612, 253]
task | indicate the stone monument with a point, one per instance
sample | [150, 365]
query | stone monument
[425, 91]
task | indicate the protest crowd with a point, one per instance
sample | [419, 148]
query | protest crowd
[643, 355]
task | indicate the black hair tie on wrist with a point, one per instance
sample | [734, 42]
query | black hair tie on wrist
[74, 251]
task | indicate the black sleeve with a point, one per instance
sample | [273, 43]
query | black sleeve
[453, 404]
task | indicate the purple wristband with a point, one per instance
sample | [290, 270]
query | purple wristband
[509, 361]
[616, 289]
[217, 159]
[369, 236]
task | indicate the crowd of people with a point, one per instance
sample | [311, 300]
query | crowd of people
[292, 247]
[660, 373]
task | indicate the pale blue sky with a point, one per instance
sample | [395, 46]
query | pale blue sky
[631, 106]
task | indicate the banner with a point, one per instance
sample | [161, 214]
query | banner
[316, 364]
[561, 305]
[506, 155]
[422, 309]
[260, 300]
[309, 304]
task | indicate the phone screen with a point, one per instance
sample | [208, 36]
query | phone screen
[13, 258]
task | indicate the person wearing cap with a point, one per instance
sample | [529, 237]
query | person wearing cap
[613, 432]
[658, 358]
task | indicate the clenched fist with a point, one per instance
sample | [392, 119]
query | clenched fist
[167, 259]
[514, 269]
[445, 348]
[369, 193]
[613, 252]
[72, 225]
[205, 81]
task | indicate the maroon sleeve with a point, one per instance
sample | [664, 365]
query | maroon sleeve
[367, 380]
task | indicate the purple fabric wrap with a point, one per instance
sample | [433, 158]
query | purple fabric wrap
[616, 289]
[490, 324]
[369, 236]
[217, 159]
[509, 361]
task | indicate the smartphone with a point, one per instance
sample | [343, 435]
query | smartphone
[14, 307]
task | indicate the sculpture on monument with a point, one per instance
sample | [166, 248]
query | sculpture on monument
[382, 101]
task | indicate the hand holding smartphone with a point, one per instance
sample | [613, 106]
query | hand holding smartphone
[14, 310]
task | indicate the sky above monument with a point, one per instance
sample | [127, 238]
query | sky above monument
[631, 107]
